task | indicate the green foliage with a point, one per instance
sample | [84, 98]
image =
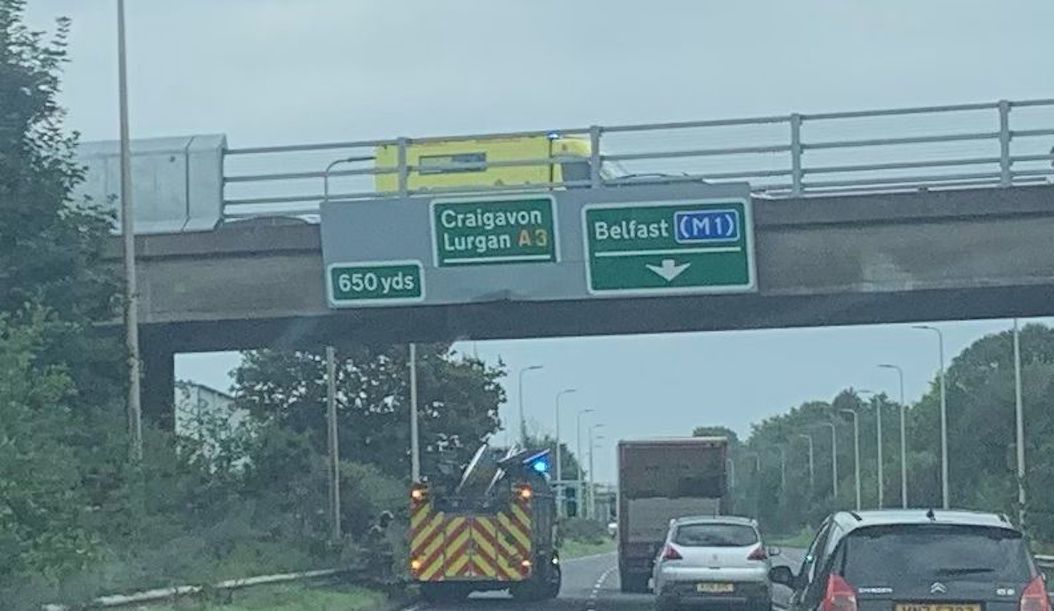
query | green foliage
[76, 517]
[287, 598]
[980, 398]
[458, 402]
[584, 530]
[50, 249]
[718, 431]
[42, 530]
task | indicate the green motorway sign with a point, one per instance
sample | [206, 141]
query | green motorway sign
[662, 247]
[517, 229]
[375, 283]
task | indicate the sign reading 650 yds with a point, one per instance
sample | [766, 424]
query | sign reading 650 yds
[689, 247]
[381, 282]
[496, 230]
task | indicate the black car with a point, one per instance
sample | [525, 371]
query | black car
[916, 560]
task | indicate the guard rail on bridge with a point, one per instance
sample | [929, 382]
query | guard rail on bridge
[1045, 562]
[997, 144]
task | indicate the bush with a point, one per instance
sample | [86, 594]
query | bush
[581, 529]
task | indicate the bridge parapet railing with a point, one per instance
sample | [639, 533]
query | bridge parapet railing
[995, 144]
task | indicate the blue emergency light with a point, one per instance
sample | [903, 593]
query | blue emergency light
[541, 465]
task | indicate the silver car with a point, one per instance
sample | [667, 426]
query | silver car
[713, 560]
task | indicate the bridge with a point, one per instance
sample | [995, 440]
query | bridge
[859, 217]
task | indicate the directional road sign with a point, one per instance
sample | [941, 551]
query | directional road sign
[514, 229]
[701, 246]
[375, 283]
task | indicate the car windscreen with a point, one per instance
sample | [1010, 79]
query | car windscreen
[933, 552]
[715, 535]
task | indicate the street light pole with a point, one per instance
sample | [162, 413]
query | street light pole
[415, 443]
[834, 459]
[812, 473]
[856, 452]
[334, 449]
[783, 468]
[730, 466]
[131, 287]
[579, 457]
[881, 477]
[903, 438]
[1019, 413]
[331, 394]
[559, 454]
[592, 481]
[592, 478]
[872, 398]
[945, 496]
[519, 388]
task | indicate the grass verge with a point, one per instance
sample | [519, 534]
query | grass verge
[572, 548]
[285, 598]
[800, 540]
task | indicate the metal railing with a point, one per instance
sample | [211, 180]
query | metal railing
[997, 144]
[1044, 562]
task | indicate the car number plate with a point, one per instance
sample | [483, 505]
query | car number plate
[719, 588]
[937, 607]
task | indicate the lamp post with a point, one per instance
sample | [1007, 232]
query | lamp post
[131, 289]
[334, 447]
[757, 476]
[834, 459]
[559, 454]
[519, 388]
[578, 455]
[812, 474]
[1019, 417]
[856, 451]
[592, 478]
[945, 496]
[331, 395]
[415, 442]
[880, 480]
[903, 437]
[783, 467]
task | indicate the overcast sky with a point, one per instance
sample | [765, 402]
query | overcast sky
[284, 71]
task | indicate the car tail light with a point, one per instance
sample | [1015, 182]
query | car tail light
[840, 595]
[759, 553]
[1034, 598]
[671, 553]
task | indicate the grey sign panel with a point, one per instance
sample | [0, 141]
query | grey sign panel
[402, 230]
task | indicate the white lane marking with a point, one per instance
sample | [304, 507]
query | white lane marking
[591, 604]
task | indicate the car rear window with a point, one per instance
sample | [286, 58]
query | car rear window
[715, 535]
[933, 552]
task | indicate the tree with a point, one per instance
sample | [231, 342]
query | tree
[60, 380]
[458, 400]
[42, 508]
[51, 249]
[718, 431]
[981, 442]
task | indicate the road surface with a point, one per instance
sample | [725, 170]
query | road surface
[590, 584]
